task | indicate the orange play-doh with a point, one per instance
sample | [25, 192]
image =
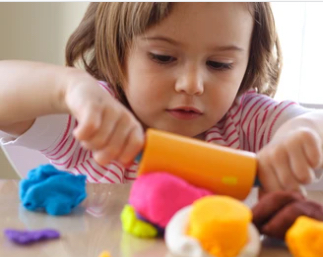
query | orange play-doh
[220, 224]
[305, 237]
[222, 170]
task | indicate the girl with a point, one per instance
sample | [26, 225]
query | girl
[203, 70]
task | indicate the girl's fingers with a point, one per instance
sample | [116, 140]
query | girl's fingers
[281, 164]
[311, 145]
[266, 174]
[117, 140]
[133, 146]
[300, 166]
[89, 121]
[99, 140]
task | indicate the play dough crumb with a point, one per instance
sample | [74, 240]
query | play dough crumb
[305, 237]
[220, 224]
[105, 254]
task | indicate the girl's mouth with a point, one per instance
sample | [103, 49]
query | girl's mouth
[185, 113]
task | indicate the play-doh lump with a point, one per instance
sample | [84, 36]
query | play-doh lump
[305, 238]
[213, 226]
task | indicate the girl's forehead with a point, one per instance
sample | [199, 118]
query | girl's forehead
[207, 23]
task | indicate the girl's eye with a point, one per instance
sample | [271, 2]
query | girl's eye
[162, 59]
[219, 65]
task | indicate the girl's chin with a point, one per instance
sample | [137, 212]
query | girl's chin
[194, 129]
[185, 133]
[180, 129]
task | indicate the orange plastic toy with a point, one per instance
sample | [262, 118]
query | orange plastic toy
[219, 169]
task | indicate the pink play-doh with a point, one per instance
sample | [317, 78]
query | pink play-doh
[158, 196]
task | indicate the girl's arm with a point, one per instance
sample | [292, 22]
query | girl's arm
[31, 89]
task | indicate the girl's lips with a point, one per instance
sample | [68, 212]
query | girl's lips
[185, 113]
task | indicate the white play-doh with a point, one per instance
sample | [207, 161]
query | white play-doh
[182, 245]
[177, 242]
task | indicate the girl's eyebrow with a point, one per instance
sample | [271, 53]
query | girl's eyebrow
[173, 42]
[228, 48]
[161, 38]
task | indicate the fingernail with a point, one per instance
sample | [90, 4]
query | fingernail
[318, 174]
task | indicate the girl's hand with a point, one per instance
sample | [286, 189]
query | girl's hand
[289, 161]
[105, 126]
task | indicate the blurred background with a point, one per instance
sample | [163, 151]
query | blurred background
[39, 32]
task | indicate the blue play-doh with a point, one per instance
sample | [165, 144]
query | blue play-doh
[56, 192]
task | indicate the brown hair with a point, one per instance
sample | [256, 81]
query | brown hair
[100, 42]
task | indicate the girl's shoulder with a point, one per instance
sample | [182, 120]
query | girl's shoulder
[250, 96]
[252, 101]
[253, 105]
[245, 102]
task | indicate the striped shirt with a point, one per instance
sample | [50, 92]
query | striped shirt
[248, 125]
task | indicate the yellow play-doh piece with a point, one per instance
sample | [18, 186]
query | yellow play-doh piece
[134, 226]
[220, 224]
[305, 237]
[105, 254]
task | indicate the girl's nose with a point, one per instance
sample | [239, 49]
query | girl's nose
[190, 82]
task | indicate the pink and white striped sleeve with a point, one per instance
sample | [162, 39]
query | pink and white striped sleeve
[261, 116]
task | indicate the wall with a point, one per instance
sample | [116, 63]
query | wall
[39, 32]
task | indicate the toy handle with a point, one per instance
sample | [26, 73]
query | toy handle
[257, 182]
[138, 157]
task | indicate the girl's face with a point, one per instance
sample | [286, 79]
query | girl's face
[184, 73]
